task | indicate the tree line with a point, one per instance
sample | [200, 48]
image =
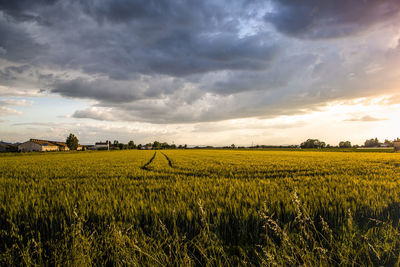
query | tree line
[155, 145]
[373, 142]
[72, 143]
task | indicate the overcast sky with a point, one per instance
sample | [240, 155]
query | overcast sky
[200, 72]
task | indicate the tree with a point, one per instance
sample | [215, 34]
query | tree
[131, 145]
[345, 144]
[121, 146]
[156, 145]
[372, 142]
[313, 143]
[164, 145]
[388, 143]
[233, 146]
[72, 142]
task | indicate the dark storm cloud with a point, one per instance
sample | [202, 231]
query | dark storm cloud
[24, 10]
[329, 18]
[22, 6]
[273, 79]
[118, 91]
[118, 38]
[11, 72]
[16, 44]
[189, 61]
[111, 91]
[180, 38]
[224, 52]
[126, 10]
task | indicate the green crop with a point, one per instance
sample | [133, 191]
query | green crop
[200, 207]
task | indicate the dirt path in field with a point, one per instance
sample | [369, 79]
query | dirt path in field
[144, 167]
[168, 159]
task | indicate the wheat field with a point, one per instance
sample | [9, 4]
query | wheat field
[200, 208]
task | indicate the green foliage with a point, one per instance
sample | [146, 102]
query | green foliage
[388, 143]
[313, 143]
[200, 208]
[72, 142]
[372, 143]
[345, 144]
[131, 145]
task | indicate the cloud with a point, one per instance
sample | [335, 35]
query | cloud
[366, 118]
[118, 38]
[95, 113]
[13, 102]
[244, 124]
[19, 45]
[329, 18]
[392, 100]
[22, 9]
[13, 92]
[197, 61]
[45, 124]
[118, 91]
[5, 111]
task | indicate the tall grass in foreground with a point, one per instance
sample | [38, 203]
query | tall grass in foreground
[304, 241]
[311, 242]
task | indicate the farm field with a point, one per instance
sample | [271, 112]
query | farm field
[199, 208]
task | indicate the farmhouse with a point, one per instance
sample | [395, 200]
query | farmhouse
[44, 145]
[61, 146]
[397, 145]
[37, 145]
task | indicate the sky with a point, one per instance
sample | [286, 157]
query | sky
[200, 72]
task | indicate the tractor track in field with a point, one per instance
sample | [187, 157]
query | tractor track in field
[169, 160]
[144, 167]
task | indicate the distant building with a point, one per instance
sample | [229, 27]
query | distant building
[101, 145]
[396, 144]
[61, 146]
[44, 145]
[37, 145]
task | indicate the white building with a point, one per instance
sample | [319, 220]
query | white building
[37, 145]
[44, 145]
[100, 146]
